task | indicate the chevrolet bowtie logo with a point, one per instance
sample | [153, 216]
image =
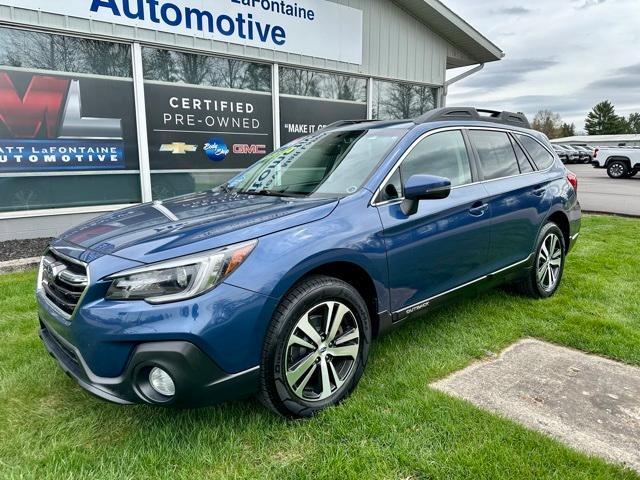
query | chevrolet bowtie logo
[178, 148]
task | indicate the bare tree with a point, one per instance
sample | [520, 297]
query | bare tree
[300, 82]
[547, 122]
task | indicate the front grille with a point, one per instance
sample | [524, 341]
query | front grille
[63, 281]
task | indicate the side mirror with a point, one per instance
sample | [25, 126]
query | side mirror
[424, 187]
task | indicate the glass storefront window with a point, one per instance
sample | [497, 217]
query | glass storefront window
[402, 100]
[43, 51]
[172, 184]
[310, 100]
[179, 67]
[332, 86]
[44, 192]
[208, 117]
[68, 134]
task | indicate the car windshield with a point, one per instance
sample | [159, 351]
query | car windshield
[328, 164]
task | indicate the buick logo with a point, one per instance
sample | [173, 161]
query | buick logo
[216, 149]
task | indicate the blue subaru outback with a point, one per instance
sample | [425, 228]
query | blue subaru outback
[276, 282]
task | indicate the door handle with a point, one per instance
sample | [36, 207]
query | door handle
[539, 190]
[478, 209]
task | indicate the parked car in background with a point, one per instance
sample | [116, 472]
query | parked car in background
[561, 152]
[586, 153]
[620, 162]
[574, 155]
[276, 282]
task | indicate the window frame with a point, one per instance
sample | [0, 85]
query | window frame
[481, 173]
[530, 157]
[397, 166]
[476, 176]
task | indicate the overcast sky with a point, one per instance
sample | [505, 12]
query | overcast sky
[562, 55]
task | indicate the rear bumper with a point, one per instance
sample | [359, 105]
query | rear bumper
[198, 380]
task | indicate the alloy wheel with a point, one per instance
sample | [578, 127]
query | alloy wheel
[617, 170]
[549, 262]
[322, 351]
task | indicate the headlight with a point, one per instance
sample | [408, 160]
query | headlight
[179, 279]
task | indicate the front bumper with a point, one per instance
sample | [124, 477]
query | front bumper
[198, 380]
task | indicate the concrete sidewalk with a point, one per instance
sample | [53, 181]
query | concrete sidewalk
[588, 402]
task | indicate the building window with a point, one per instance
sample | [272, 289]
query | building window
[43, 51]
[207, 117]
[64, 141]
[310, 100]
[188, 68]
[332, 86]
[402, 100]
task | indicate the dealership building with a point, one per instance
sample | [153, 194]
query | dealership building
[110, 103]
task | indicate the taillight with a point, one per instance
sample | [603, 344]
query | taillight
[572, 178]
[595, 153]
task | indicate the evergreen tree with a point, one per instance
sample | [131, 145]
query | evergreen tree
[567, 130]
[634, 123]
[602, 120]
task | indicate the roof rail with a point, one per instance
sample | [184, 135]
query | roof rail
[342, 123]
[471, 113]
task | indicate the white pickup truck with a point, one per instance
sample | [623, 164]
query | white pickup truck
[620, 162]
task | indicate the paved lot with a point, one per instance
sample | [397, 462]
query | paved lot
[588, 402]
[599, 193]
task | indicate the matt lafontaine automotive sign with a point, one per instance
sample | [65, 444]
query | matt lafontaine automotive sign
[317, 28]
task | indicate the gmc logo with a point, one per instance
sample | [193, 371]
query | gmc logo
[245, 149]
[42, 108]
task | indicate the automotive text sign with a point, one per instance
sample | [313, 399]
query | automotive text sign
[315, 28]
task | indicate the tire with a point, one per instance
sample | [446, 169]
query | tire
[618, 169]
[546, 285]
[633, 174]
[307, 365]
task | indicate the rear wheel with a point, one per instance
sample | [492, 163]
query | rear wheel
[543, 280]
[316, 348]
[618, 169]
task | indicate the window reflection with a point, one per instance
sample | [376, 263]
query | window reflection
[43, 51]
[180, 67]
[309, 83]
[402, 100]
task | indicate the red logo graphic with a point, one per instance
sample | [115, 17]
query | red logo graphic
[244, 149]
[41, 105]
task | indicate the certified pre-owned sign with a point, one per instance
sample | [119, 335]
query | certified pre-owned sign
[198, 128]
[316, 28]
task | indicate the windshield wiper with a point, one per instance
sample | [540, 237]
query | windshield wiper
[270, 193]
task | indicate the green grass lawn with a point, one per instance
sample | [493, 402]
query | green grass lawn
[393, 427]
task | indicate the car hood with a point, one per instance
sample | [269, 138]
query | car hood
[189, 224]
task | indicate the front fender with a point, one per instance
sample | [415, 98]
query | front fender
[283, 258]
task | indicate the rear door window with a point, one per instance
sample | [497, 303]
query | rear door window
[540, 155]
[523, 161]
[495, 154]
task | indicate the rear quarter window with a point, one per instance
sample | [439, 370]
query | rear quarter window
[540, 155]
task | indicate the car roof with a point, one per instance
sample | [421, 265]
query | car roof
[455, 116]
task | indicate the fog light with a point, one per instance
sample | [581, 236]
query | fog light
[161, 382]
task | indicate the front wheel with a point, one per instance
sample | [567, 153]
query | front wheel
[543, 279]
[617, 169]
[316, 347]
